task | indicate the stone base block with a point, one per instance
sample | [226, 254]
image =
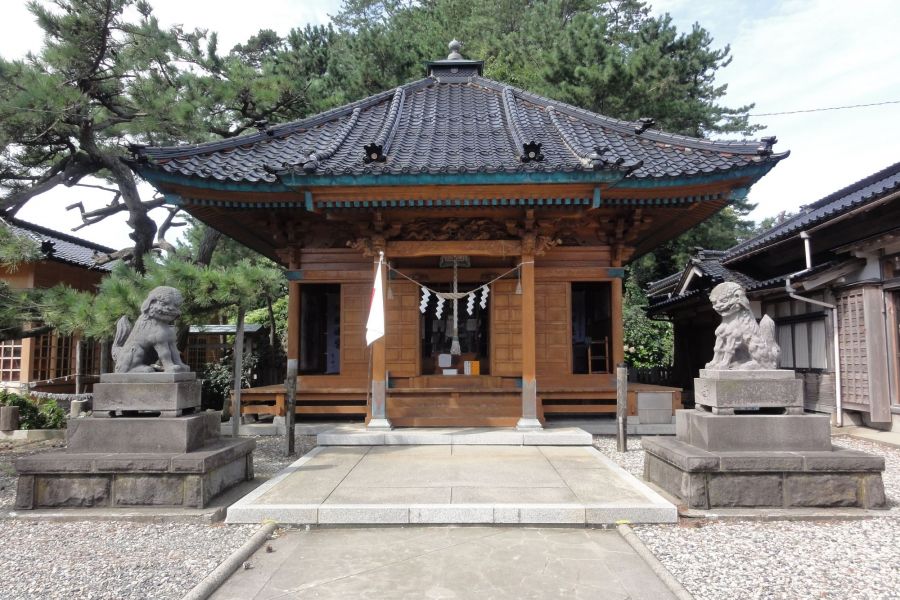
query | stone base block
[170, 399]
[728, 391]
[706, 480]
[69, 480]
[753, 432]
[142, 434]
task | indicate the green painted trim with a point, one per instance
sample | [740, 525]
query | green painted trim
[173, 199]
[293, 275]
[616, 272]
[157, 177]
[308, 201]
[596, 197]
[293, 181]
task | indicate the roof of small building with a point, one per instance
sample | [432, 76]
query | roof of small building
[249, 328]
[60, 246]
[724, 265]
[865, 190]
[455, 121]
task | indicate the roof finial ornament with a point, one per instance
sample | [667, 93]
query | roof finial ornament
[454, 46]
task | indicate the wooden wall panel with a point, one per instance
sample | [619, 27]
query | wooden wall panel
[506, 329]
[355, 299]
[402, 329]
[553, 332]
[852, 340]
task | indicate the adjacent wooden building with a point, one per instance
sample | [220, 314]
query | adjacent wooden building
[46, 363]
[456, 173]
[829, 276]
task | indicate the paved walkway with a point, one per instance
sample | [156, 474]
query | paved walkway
[458, 484]
[462, 563]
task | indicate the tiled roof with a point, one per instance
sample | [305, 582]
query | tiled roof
[871, 188]
[454, 121]
[709, 262]
[60, 246]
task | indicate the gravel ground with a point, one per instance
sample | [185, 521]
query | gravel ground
[268, 458]
[110, 560]
[114, 560]
[783, 560]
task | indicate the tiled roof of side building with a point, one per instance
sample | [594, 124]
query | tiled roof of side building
[60, 246]
[871, 188]
[455, 121]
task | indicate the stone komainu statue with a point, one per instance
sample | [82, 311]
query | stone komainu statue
[137, 349]
[741, 343]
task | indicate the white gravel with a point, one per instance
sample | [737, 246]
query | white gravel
[116, 560]
[110, 560]
[837, 560]
[780, 560]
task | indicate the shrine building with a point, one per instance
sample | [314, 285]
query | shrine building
[506, 219]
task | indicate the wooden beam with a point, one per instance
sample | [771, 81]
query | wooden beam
[407, 249]
[293, 324]
[618, 322]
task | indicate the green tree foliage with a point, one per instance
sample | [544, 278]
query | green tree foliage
[17, 307]
[206, 292]
[648, 343]
[107, 77]
[609, 56]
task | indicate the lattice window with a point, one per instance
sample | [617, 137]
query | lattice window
[854, 354]
[801, 334]
[91, 352]
[10, 360]
[65, 357]
[43, 357]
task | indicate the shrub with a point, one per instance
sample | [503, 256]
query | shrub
[33, 413]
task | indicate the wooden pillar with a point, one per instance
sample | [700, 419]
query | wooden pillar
[618, 322]
[377, 407]
[293, 363]
[529, 418]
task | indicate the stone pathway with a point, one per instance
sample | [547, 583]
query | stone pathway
[462, 563]
[458, 484]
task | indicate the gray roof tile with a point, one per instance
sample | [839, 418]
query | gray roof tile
[60, 246]
[857, 194]
[444, 124]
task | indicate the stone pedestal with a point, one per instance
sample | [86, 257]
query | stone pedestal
[146, 460]
[724, 392]
[169, 394]
[720, 459]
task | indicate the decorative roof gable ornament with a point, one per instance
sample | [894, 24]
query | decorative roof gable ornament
[643, 124]
[765, 145]
[454, 46]
[532, 152]
[374, 153]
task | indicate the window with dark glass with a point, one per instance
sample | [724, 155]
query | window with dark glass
[591, 328]
[320, 329]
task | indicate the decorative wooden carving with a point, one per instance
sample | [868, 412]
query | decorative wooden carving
[451, 229]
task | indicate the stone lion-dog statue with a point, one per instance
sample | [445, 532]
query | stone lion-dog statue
[741, 343]
[137, 349]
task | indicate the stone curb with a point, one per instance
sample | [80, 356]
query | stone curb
[212, 582]
[657, 567]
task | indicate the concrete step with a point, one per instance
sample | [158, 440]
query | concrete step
[356, 435]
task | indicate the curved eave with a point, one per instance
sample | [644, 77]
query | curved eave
[296, 181]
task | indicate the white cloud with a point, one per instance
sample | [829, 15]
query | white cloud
[808, 54]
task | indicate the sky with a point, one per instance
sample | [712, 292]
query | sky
[788, 55]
